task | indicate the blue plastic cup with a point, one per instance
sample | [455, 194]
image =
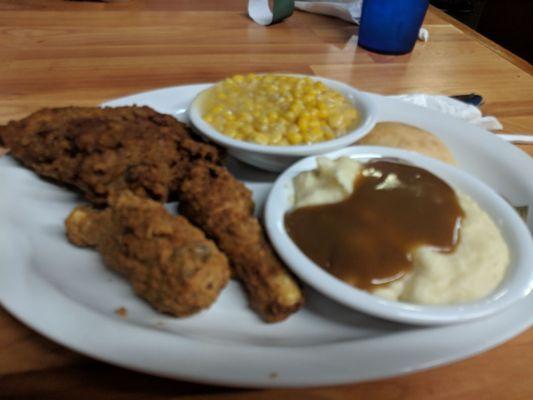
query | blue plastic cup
[391, 26]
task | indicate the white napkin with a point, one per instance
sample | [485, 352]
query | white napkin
[347, 10]
[453, 107]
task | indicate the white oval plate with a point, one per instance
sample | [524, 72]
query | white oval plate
[66, 294]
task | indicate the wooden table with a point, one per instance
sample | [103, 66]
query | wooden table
[56, 53]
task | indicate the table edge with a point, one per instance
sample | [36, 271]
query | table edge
[494, 47]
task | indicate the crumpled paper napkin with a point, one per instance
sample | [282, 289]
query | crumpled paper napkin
[452, 107]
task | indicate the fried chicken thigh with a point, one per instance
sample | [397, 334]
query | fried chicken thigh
[168, 261]
[222, 206]
[102, 151]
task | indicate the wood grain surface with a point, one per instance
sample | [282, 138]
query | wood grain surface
[57, 53]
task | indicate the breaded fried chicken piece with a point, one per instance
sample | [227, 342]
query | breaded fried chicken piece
[222, 206]
[168, 261]
[105, 150]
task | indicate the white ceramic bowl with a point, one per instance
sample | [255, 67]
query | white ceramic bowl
[277, 158]
[517, 283]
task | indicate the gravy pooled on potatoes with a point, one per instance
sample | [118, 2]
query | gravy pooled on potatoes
[367, 238]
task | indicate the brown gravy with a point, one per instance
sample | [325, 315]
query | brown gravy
[367, 239]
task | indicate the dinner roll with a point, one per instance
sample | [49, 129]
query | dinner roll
[408, 137]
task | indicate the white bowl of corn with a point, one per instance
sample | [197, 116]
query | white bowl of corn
[272, 120]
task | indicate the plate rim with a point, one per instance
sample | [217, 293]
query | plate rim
[28, 318]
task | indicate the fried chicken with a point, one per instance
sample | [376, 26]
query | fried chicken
[168, 261]
[222, 206]
[106, 151]
[102, 151]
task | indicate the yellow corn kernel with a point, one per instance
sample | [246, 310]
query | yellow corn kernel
[246, 129]
[305, 114]
[317, 132]
[283, 100]
[271, 89]
[263, 119]
[314, 135]
[272, 116]
[328, 135]
[279, 128]
[294, 138]
[228, 115]
[293, 128]
[314, 123]
[350, 113]
[303, 123]
[260, 138]
[320, 86]
[218, 125]
[324, 114]
[230, 125]
[309, 99]
[246, 117]
[335, 120]
[285, 88]
[289, 116]
[297, 106]
[217, 109]
[275, 139]
[263, 128]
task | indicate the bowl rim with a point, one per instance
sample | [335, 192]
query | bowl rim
[517, 283]
[361, 100]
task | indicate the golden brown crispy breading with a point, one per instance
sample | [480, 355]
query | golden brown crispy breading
[222, 206]
[104, 150]
[169, 262]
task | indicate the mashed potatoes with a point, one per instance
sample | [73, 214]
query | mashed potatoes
[472, 271]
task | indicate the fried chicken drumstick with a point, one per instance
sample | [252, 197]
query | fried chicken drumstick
[222, 206]
[105, 150]
[168, 262]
